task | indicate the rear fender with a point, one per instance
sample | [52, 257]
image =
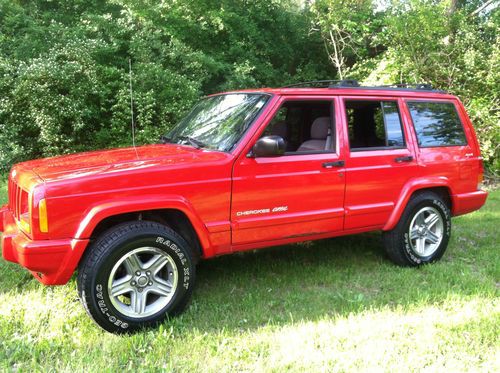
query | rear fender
[410, 187]
[98, 213]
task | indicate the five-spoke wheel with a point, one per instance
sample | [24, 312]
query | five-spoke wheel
[142, 282]
[426, 231]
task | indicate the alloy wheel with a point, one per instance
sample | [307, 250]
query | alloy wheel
[142, 282]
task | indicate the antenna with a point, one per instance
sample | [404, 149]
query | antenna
[132, 105]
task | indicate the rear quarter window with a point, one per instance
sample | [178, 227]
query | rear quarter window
[436, 124]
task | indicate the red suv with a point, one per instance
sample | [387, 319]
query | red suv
[244, 170]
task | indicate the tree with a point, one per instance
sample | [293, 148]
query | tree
[345, 27]
[457, 51]
[64, 65]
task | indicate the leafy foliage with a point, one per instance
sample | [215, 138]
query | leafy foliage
[64, 80]
[457, 52]
[453, 48]
[347, 27]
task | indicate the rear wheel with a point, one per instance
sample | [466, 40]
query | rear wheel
[422, 233]
[135, 275]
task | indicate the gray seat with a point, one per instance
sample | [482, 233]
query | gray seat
[280, 129]
[320, 136]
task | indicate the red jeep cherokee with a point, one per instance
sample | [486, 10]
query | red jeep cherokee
[244, 170]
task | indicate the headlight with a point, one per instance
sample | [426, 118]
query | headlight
[27, 202]
[24, 210]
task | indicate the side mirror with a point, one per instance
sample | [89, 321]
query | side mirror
[269, 146]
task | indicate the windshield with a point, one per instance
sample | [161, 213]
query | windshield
[218, 122]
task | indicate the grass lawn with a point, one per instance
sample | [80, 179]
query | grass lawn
[336, 304]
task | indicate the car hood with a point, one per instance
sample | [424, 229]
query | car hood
[115, 160]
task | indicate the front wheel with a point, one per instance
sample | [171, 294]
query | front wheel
[422, 233]
[135, 275]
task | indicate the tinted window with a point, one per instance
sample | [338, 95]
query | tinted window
[306, 126]
[436, 124]
[374, 124]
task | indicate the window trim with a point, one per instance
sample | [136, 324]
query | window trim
[380, 100]
[331, 100]
[444, 101]
[375, 148]
[309, 152]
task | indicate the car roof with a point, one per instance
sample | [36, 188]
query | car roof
[350, 91]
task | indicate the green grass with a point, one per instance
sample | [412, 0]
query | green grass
[336, 305]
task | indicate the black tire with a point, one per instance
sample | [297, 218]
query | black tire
[398, 245]
[103, 257]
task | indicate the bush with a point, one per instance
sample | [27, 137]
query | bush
[64, 79]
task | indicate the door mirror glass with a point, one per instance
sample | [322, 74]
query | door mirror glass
[269, 146]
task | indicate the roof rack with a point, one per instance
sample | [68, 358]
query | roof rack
[352, 83]
[419, 86]
[326, 84]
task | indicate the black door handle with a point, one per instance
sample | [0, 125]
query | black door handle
[333, 164]
[404, 159]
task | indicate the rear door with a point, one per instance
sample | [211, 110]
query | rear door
[379, 161]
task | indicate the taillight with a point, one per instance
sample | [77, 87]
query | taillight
[42, 216]
[480, 175]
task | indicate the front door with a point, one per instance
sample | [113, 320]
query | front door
[296, 195]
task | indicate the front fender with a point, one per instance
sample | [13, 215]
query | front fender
[410, 187]
[98, 213]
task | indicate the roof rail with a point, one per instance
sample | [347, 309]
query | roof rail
[419, 86]
[352, 83]
[325, 84]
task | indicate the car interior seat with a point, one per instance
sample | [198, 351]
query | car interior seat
[321, 137]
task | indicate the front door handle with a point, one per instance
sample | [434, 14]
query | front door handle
[403, 159]
[333, 164]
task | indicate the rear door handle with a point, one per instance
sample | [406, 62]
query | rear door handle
[333, 164]
[403, 159]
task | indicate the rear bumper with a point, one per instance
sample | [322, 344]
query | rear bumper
[52, 262]
[467, 202]
[3, 211]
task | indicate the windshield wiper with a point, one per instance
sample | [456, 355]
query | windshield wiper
[191, 140]
[194, 142]
[165, 140]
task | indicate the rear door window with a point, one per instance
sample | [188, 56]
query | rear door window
[436, 124]
[374, 125]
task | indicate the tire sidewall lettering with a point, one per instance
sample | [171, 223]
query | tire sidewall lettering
[105, 310]
[409, 251]
[184, 271]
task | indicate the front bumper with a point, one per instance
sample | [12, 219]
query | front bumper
[52, 262]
